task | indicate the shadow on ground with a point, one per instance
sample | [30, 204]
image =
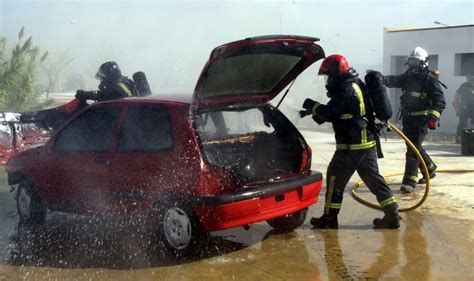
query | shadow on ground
[444, 150]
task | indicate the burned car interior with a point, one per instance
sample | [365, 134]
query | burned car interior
[255, 143]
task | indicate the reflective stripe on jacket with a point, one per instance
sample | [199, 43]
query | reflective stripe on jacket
[346, 110]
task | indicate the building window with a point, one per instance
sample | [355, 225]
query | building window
[463, 64]
[433, 62]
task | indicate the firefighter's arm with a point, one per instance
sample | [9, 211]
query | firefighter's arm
[326, 112]
[393, 81]
[86, 95]
[437, 100]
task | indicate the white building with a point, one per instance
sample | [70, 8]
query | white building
[451, 51]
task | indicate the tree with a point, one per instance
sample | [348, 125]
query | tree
[18, 73]
[56, 67]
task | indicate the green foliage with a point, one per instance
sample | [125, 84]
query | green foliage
[18, 74]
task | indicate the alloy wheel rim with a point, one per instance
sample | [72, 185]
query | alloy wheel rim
[177, 228]
[24, 203]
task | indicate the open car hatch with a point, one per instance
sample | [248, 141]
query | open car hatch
[255, 69]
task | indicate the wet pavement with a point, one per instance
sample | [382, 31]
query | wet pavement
[435, 242]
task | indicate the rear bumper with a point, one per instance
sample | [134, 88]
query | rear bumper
[258, 204]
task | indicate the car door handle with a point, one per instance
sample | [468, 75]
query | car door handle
[100, 159]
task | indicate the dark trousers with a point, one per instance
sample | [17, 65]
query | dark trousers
[415, 129]
[462, 124]
[341, 168]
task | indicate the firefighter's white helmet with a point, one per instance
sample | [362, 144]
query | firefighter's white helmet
[417, 57]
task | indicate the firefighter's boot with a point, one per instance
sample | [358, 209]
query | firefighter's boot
[391, 220]
[431, 171]
[325, 221]
[406, 188]
[423, 179]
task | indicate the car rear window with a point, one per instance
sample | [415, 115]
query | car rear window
[145, 128]
[224, 124]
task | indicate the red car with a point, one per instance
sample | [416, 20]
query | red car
[221, 158]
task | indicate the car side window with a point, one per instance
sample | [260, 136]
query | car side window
[90, 132]
[6, 136]
[145, 128]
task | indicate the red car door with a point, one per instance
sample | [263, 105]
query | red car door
[78, 163]
[147, 160]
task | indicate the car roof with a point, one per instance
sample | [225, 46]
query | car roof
[166, 98]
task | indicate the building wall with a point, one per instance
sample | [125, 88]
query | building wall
[445, 42]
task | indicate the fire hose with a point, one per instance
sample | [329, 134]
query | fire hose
[424, 171]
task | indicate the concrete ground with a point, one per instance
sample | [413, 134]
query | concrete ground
[435, 242]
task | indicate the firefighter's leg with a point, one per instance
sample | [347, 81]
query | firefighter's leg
[410, 178]
[338, 174]
[429, 163]
[368, 171]
[461, 126]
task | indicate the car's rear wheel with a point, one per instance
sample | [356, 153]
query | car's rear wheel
[179, 229]
[290, 222]
[30, 208]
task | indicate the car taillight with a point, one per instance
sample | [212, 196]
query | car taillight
[306, 159]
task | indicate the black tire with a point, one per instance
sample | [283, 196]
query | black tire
[179, 229]
[288, 223]
[28, 243]
[30, 208]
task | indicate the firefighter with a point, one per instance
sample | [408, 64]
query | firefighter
[464, 105]
[421, 104]
[355, 144]
[112, 85]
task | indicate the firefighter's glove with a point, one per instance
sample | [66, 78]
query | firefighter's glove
[83, 95]
[431, 122]
[309, 104]
[304, 113]
[317, 119]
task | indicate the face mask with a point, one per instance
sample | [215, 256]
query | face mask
[413, 62]
[329, 85]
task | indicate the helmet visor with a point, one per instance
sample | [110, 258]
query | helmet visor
[99, 75]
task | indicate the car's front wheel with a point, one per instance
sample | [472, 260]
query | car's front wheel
[30, 208]
[179, 229]
[290, 222]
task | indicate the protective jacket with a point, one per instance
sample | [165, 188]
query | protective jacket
[346, 111]
[110, 89]
[422, 94]
[466, 99]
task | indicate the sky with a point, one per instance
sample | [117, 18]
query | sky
[171, 40]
